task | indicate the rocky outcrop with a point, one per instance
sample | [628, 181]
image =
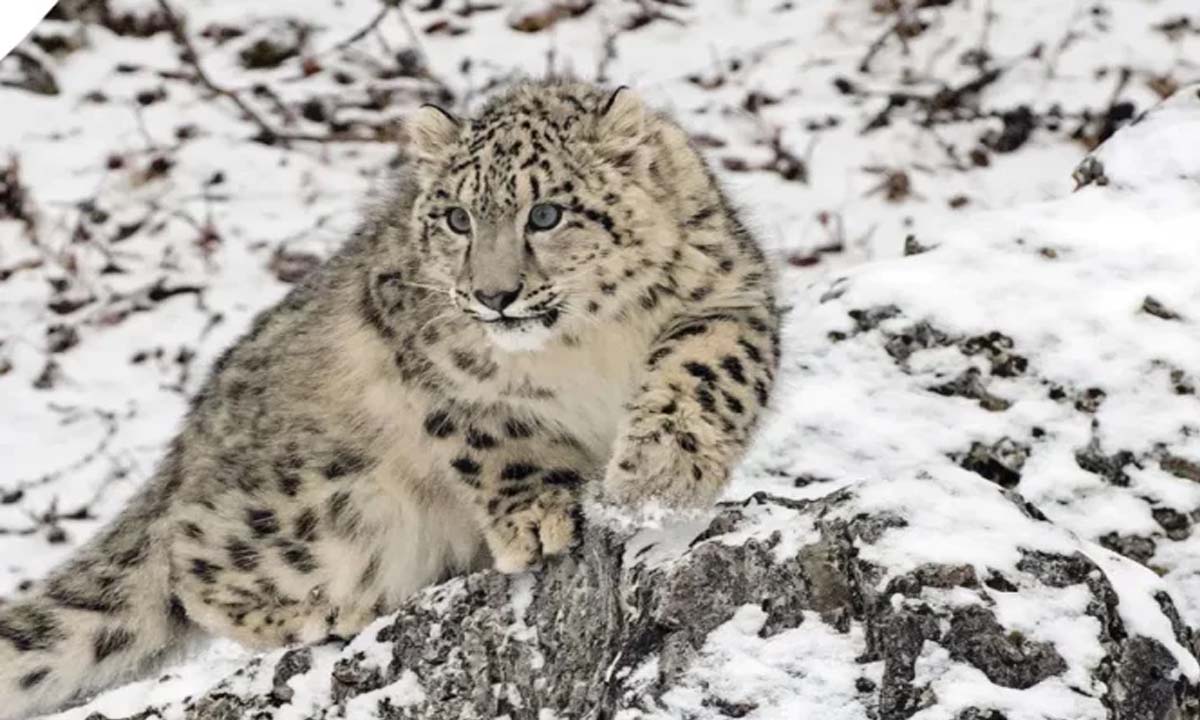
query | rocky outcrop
[711, 623]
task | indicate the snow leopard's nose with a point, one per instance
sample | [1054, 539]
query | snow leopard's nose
[498, 300]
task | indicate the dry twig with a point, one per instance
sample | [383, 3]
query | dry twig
[268, 134]
[368, 28]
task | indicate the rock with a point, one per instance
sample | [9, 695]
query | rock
[293, 663]
[642, 626]
[1007, 658]
[1143, 686]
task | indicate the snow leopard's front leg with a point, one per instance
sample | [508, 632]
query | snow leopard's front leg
[523, 479]
[707, 379]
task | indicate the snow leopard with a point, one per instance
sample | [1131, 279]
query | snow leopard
[556, 303]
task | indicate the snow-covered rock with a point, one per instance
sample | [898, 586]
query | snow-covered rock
[974, 501]
[779, 608]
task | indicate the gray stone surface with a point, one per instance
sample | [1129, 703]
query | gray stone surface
[571, 638]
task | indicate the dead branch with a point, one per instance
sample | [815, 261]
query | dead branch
[268, 134]
[864, 65]
[366, 29]
[109, 421]
[946, 100]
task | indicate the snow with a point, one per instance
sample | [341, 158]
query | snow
[958, 686]
[521, 594]
[312, 689]
[199, 670]
[1126, 165]
[405, 691]
[1064, 274]
[374, 653]
[1058, 616]
[1135, 585]
[810, 662]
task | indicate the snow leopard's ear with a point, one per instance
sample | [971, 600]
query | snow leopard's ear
[430, 130]
[621, 125]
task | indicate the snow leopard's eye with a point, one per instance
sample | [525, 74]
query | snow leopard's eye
[459, 220]
[544, 216]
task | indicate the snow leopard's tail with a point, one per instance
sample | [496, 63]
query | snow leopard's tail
[101, 618]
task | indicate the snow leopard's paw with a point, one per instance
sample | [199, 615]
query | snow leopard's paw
[545, 527]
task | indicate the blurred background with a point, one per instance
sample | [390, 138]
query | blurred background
[167, 169]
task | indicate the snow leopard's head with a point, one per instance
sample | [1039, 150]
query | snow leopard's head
[549, 211]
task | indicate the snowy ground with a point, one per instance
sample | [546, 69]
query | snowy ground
[145, 217]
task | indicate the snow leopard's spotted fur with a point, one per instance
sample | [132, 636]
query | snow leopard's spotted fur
[374, 432]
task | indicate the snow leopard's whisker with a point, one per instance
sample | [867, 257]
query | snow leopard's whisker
[442, 290]
[571, 312]
[443, 315]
